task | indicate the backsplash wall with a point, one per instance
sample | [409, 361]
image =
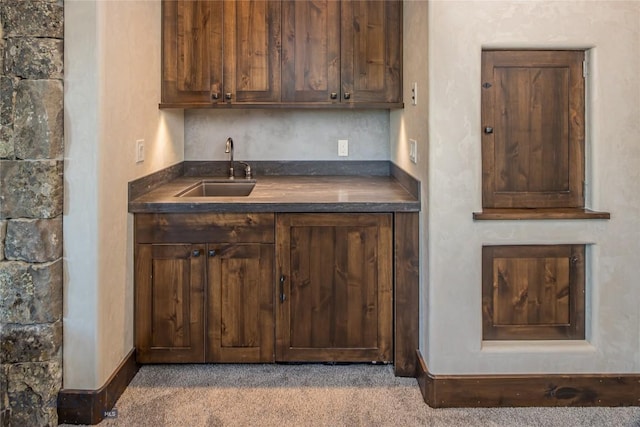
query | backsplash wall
[286, 134]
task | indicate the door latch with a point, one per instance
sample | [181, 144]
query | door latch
[283, 297]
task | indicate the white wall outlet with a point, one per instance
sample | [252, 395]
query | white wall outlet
[343, 147]
[139, 150]
[414, 93]
[413, 150]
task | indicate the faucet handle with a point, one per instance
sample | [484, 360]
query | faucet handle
[247, 170]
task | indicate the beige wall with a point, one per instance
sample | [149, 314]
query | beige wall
[457, 32]
[112, 90]
[112, 54]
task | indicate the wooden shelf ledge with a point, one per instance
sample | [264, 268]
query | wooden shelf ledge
[517, 214]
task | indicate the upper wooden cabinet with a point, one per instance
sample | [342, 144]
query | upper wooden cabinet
[282, 53]
[345, 52]
[191, 51]
[533, 129]
[251, 51]
[371, 51]
[311, 51]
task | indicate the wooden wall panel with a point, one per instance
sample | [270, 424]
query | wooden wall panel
[406, 292]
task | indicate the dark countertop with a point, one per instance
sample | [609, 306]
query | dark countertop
[290, 193]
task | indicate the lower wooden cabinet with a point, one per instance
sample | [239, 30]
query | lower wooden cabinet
[240, 303]
[324, 292]
[335, 287]
[169, 307]
[209, 300]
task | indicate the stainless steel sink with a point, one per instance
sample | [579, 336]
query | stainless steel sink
[219, 188]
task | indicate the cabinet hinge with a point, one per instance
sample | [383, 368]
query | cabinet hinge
[585, 70]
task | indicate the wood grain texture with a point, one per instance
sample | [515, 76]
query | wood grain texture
[371, 51]
[310, 51]
[534, 103]
[204, 227]
[282, 54]
[336, 297]
[252, 43]
[77, 406]
[533, 292]
[283, 105]
[527, 390]
[191, 51]
[406, 292]
[519, 214]
[240, 298]
[169, 315]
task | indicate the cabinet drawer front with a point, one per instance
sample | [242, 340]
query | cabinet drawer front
[204, 227]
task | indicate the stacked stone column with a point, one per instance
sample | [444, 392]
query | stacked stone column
[31, 202]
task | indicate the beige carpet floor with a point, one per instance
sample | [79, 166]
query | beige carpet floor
[316, 395]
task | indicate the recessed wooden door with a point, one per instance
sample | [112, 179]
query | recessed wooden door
[191, 51]
[240, 303]
[371, 51]
[533, 129]
[169, 303]
[533, 292]
[311, 51]
[252, 50]
[334, 301]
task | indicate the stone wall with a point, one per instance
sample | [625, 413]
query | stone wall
[31, 200]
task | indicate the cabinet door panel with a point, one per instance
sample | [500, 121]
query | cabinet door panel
[252, 50]
[169, 304]
[311, 51]
[240, 309]
[533, 292]
[192, 51]
[338, 284]
[533, 102]
[371, 51]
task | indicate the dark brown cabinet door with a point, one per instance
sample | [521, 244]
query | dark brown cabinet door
[371, 51]
[169, 312]
[311, 51]
[191, 51]
[240, 303]
[533, 129]
[252, 51]
[272, 52]
[334, 301]
[533, 292]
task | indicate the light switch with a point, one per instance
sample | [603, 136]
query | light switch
[140, 151]
[413, 150]
[414, 93]
[343, 147]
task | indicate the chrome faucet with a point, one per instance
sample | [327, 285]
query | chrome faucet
[229, 149]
